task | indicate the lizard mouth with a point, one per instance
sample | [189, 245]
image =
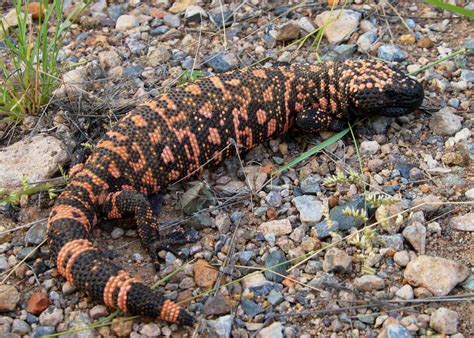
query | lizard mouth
[405, 103]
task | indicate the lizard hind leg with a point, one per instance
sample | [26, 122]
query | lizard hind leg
[131, 203]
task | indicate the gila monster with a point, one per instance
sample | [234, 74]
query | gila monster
[167, 138]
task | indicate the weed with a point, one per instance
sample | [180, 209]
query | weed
[189, 76]
[31, 71]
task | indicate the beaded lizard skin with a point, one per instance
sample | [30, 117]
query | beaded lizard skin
[170, 137]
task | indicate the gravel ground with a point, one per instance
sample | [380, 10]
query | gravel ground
[411, 274]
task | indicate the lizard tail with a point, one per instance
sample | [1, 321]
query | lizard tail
[88, 269]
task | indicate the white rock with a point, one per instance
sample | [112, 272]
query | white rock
[343, 23]
[125, 22]
[438, 275]
[462, 135]
[310, 208]
[444, 321]
[278, 227]
[369, 147]
[463, 222]
[36, 159]
[405, 292]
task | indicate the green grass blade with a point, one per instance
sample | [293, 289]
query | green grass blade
[452, 8]
[326, 143]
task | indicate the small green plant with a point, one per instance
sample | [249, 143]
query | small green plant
[13, 198]
[359, 214]
[377, 200]
[30, 72]
[341, 178]
[189, 76]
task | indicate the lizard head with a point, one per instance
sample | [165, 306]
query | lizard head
[375, 88]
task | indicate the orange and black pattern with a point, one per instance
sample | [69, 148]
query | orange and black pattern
[168, 138]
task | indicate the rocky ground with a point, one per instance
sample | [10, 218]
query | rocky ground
[409, 272]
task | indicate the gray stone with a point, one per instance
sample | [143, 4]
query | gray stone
[445, 122]
[323, 229]
[311, 184]
[344, 24]
[117, 233]
[288, 31]
[366, 40]
[125, 22]
[467, 75]
[221, 16]
[392, 241]
[438, 275]
[195, 14]
[171, 20]
[275, 297]
[217, 305]
[222, 62]
[306, 24]
[245, 256]
[369, 283]
[397, 331]
[20, 327]
[391, 53]
[150, 330]
[37, 159]
[310, 208]
[346, 222]
[250, 307]
[463, 222]
[109, 59]
[274, 330]
[369, 147]
[469, 283]
[98, 311]
[9, 298]
[275, 262]
[36, 234]
[273, 199]
[416, 235]
[340, 53]
[444, 321]
[220, 327]
[52, 316]
[4, 263]
[160, 30]
[254, 280]
[41, 331]
[136, 47]
[405, 292]
[336, 260]
[401, 258]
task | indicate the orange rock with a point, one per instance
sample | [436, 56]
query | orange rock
[425, 42]
[36, 10]
[158, 13]
[289, 281]
[37, 303]
[333, 2]
[204, 274]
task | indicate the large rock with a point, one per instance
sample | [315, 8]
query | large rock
[311, 210]
[343, 23]
[445, 122]
[37, 160]
[439, 275]
[9, 297]
[444, 321]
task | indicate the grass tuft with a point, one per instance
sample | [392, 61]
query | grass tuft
[31, 73]
[452, 8]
